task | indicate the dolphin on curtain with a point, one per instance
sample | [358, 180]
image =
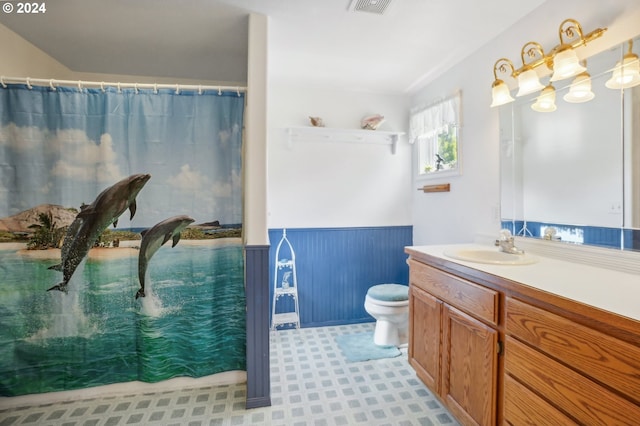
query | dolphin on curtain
[154, 237]
[93, 220]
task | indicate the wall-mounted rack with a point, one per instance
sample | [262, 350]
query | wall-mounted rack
[329, 134]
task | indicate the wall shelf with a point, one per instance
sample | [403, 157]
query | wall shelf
[328, 134]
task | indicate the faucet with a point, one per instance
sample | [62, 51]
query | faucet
[506, 243]
[550, 234]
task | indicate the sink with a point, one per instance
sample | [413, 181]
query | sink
[494, 257]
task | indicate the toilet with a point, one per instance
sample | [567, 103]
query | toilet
[389, 305]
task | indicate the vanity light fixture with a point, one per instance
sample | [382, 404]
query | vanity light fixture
[499, 89]
[626, 72]
[580, 89]
[546, 102]
[528, 81]
[562, 59]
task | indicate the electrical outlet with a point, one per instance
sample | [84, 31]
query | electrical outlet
[615, 208]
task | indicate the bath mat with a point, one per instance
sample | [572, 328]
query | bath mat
[360, 347]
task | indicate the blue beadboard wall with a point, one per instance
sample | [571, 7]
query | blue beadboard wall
[336, 266]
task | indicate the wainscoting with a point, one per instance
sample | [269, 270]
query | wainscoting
[591, 235]
[336, 266]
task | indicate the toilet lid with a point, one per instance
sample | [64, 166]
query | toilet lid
[389, 292]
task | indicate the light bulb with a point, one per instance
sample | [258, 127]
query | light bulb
[580, 90]
[566, 64]
[500, 93]
[546, 102]
[528, 82]
[626, 73]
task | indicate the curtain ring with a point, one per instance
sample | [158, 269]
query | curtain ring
[177, 89]
[155, 88]
[102, 86]
[119, 90]
[199, 90]
[80, 86]
[4, 86]
[29, 83]
[135, 87]
[238, 91]
[219, 91]
[51, 85]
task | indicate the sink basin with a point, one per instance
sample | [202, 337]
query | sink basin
[494, 257]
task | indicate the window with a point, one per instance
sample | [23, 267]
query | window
[435, 130]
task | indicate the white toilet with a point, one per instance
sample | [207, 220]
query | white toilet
[389, 305]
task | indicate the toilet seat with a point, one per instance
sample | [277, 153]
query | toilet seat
[389, 294]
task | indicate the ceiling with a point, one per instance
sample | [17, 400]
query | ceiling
[315, 43]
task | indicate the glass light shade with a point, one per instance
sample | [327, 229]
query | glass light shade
[626, 73]
[546, 102]
[528, 82]
[500, 93]
[566, 64]
[580, 90]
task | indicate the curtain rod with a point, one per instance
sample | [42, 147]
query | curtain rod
[53, 83]
[423, 107]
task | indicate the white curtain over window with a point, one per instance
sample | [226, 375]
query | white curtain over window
[428, 121]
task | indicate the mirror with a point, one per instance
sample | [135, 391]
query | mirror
[576, 169]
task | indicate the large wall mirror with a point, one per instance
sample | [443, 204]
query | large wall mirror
[575, 169]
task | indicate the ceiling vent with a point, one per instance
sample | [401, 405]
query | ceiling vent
[371, 6]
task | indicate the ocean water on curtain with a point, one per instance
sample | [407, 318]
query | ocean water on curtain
[98, 333]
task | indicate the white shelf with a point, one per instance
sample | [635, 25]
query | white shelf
[290, 291]
[329, 134]
[285, 318]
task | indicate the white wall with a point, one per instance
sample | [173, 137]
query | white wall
[336, 184]
[22, 59]
[472, 206]
[255, 147]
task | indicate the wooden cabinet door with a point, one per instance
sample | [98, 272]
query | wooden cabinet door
[425, 316]
[469, 368]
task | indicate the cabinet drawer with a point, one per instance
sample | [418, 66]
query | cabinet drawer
[474, 299]
[564, 388]
[523, 407]
[612, 362]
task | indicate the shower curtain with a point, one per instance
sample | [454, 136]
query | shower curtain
[120, 226]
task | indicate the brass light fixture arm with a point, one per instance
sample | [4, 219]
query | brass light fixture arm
[571, 31]
[575, 39]
[530, 49]
[630, 51]
[501, 65]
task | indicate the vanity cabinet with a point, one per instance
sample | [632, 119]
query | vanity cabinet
[591, 376]
[498, 352]
[453, 344]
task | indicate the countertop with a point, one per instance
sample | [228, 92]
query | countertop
[607, 289]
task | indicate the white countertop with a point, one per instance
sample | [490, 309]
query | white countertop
[611, 290]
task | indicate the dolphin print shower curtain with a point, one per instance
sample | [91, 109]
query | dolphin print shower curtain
[120, 225]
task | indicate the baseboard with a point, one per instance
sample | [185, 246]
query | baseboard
[263, 401]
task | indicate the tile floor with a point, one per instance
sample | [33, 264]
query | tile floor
[312, 385]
